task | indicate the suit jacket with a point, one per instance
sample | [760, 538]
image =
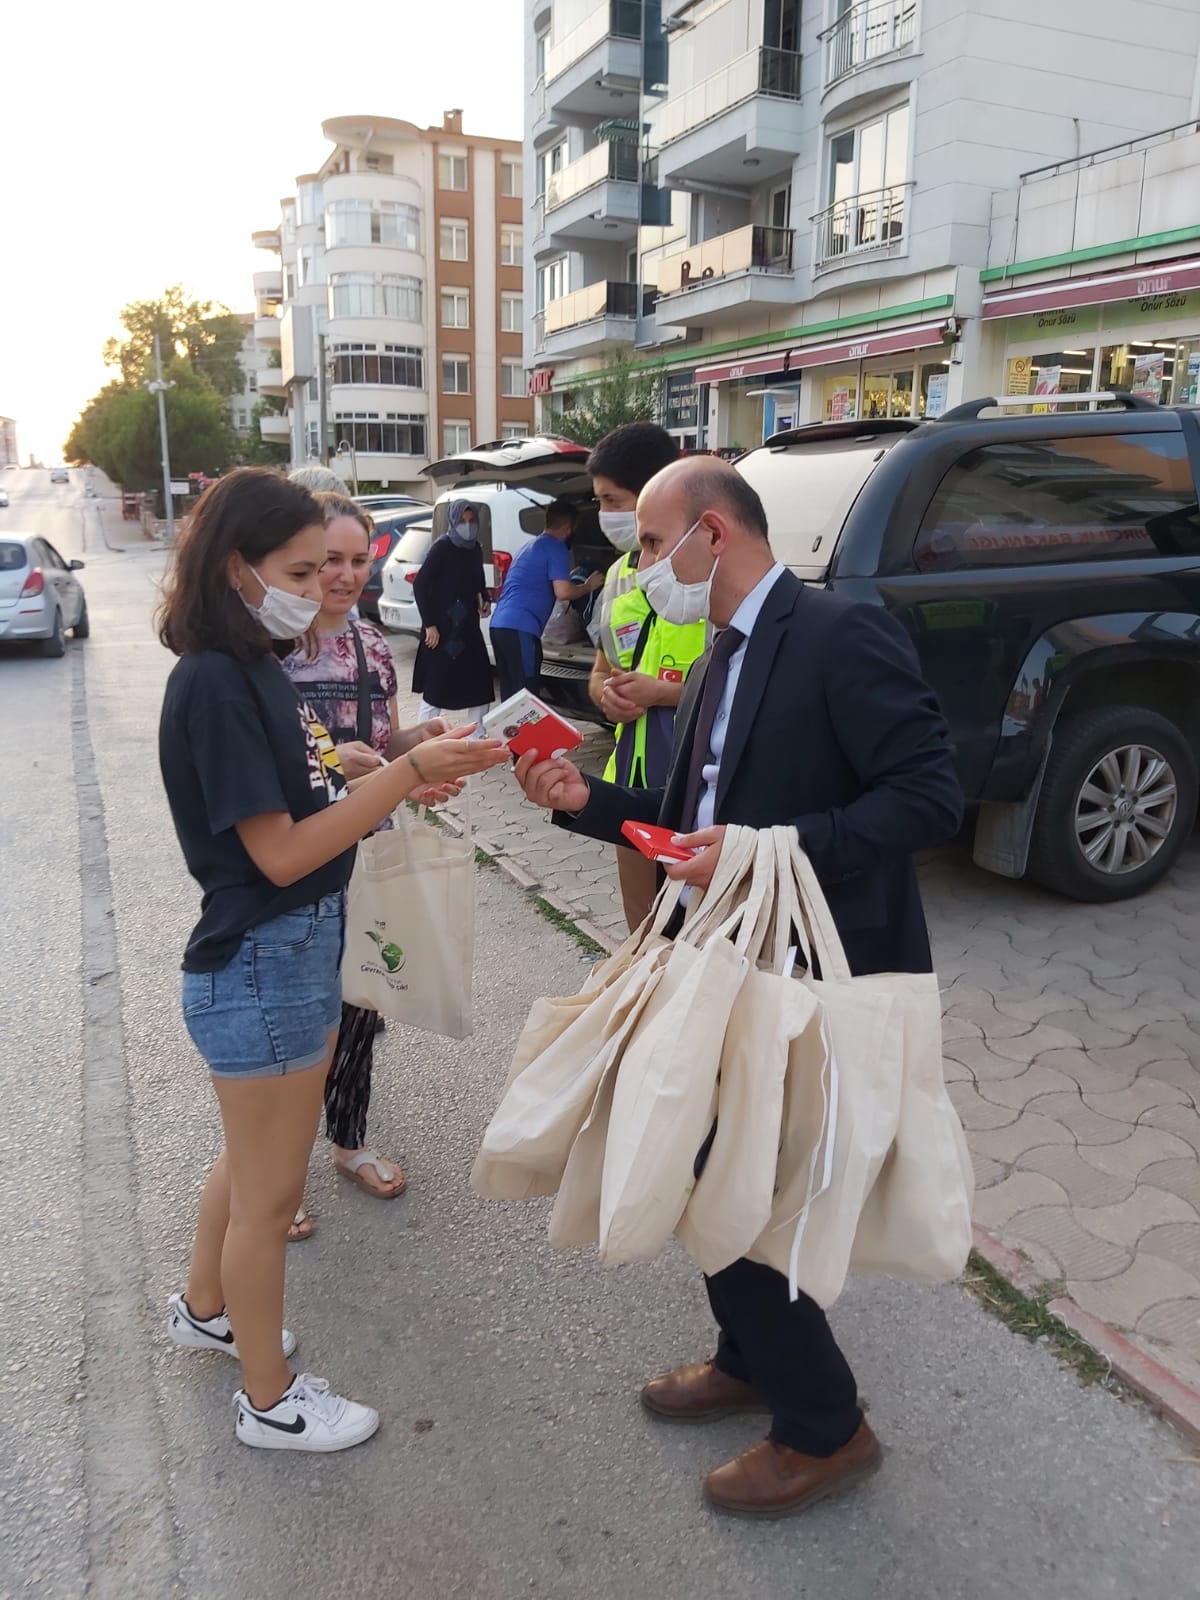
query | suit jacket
[833, 730]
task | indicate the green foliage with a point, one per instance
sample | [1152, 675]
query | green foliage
[619, 395]
[209, 336]
[253, 449]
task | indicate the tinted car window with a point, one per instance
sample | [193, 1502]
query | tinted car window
[12, 557]
[1088, 498]
[52, 555]
[414, 544]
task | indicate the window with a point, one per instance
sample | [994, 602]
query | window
[452, 237]
[1088, 498]
[514, 430]
[289, 284]
[780, 207]
[309, 264]
[364, 294]
[400, 366]
[452, 172]
[512, 377]
[510, 178]
[313, 391]
[868, 168]
[252, 382]
[512, 315]
[241, 421]
[550, 162]
[456, 437]
[511, 247]
[371, 222]
[540, 48]
[552, 281]
[456, 308]
[456, 375]
[310, 203]
[781, 24]
[395, 434]
[312, 441]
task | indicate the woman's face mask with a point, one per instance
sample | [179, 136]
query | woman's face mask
[673, 600]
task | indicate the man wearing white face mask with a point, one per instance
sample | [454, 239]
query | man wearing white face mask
[809, 712]
[642, 658]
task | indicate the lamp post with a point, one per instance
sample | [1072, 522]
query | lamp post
[159, 388]
[346, 448]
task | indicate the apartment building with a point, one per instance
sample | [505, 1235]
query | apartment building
[253, 358]
[397, 306]
[786, 207]
[8, 443]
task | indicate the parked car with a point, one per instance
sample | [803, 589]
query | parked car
[389, 529]
[1047, 568]
[40, 596]
[59, 475]
[375, 503]
[516, 479]
[397, 607]
[3, 497]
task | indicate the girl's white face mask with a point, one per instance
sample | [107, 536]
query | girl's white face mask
[674, 601]
[284, 615]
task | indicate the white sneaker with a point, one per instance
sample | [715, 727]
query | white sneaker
[215, 1334]
[308, 1417]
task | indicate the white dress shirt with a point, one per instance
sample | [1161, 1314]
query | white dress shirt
[745, 620]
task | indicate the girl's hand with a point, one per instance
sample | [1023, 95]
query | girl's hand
[406, 739]
[455, 755]
[436, 794]
[358, 759]
[432, 638]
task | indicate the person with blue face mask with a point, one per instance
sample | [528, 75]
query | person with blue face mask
[810, 712]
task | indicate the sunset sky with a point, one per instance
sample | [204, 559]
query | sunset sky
[143, 144]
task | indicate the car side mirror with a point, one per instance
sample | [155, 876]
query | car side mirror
[76, 566]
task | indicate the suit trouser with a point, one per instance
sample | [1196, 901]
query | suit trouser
[786, 1349]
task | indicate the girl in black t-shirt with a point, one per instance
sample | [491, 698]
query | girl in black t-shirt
[268, 829]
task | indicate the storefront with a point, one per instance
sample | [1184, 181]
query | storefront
[685, 409]
[904, 373]
[1137, 330]
[748, 400]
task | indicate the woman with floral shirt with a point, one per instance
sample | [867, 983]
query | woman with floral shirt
[328, 671]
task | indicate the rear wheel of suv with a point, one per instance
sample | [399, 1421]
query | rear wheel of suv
[1118, 801]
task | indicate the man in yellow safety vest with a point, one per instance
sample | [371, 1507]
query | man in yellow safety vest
[641, 661]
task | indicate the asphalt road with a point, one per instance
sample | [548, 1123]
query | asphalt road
[513, 1461]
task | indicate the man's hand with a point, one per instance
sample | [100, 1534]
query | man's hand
[358, 759]
[485, 606]
[699, 870]
[432, 638]
[639, 688]
[555, 785]
[617, 707]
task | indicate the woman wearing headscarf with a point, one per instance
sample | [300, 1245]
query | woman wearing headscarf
[452, 671]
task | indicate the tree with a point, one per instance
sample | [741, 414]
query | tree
[209, 336]
[255, 451]
[619, 395]
[118, 430]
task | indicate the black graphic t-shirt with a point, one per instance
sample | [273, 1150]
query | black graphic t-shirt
[236, 741]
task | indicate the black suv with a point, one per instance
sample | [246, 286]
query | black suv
[1048, 569]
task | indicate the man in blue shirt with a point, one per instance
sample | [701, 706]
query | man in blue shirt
[539, 576]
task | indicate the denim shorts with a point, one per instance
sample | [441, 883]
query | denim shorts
[272, 1009]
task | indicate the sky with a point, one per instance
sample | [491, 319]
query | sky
[143, 143]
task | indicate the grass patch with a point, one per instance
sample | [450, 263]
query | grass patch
[1029, 1316]
[564, 923]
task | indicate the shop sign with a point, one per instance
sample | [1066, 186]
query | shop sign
[681, 401]
[1148, 375]
[897, 342]
[1138, 284]
[936, 394]
[1019, 378]
[541, 380]
[840, 409]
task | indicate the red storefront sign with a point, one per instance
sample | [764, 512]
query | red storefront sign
[747, 367]
[541, 380]
[1139, 283]
[897, 342]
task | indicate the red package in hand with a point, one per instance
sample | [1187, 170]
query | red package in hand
[654, 842]
[526, 723]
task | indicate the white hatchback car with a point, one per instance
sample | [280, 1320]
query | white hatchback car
[40, 596]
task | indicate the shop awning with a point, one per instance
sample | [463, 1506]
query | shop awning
[867, 345]
[747, 367]
[1137, 283]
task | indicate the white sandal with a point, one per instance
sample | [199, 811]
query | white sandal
[300, 1220]
[352, 1168]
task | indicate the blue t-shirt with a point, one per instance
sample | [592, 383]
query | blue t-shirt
[527, 598]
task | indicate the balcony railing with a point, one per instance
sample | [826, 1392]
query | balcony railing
[607, 160]
[746, 250]
[866, 32]
[765, 71]
[861, 223]
[618, 19]
[587, 305]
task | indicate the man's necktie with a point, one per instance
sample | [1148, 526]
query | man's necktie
[724, 649]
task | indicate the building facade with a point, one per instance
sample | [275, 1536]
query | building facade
[794, 210]
[254, 359]
[396, 308]
[8, 443]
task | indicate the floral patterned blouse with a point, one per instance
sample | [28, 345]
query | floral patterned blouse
[330, 682]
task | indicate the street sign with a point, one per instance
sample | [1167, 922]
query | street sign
[180, 486]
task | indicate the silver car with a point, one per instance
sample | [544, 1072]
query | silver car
[40, 596]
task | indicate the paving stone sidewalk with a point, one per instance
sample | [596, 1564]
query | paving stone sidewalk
[1072, 1042]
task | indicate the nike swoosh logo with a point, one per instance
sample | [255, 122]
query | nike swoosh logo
[296, 1425]
[217, 1338]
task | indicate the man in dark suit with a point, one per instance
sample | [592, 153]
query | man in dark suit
[809, 710]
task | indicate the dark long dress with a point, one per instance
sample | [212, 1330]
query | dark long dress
[447, 590]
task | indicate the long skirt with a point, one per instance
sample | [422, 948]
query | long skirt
[348, 1086]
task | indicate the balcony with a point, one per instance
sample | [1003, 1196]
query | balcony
[268, 285]
[276, 430]
[750, 267]
[595, 197]
[266, 330]
[868, 32]
[596, 69]
[742, 117]
[265, 239]
[272, 381]
[587, 321]
[862, 225]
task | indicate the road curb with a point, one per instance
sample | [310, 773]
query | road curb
[1167, 1396]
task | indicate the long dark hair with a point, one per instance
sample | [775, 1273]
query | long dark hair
[251, 511]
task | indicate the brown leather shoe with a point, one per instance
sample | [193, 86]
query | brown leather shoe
[773, 1481]
[699, 1393]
